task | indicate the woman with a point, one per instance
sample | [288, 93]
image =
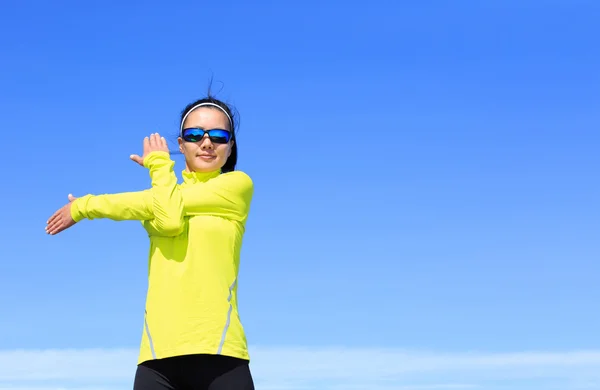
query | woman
[192, 336]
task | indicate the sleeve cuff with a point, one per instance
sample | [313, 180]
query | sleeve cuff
[78, 208]
[156, 157]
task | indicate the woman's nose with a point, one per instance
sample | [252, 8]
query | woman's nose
[205, 143]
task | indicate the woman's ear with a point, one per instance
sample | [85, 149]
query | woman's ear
[230, 147]
[180, 142]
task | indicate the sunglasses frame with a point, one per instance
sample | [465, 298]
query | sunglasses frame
[207, 132]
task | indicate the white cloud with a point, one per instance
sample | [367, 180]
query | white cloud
[320, 368]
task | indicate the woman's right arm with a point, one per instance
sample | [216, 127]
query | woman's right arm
[118, 207]
[126, 206]
[149, 205]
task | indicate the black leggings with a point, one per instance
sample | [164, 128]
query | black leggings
[194, 372]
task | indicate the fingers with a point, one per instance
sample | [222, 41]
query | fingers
[52, 218]
[55, 222]
[53, 227]
[60, 221]
[56, 228]
[154, 142]
[137, 159]
[157, 142]
[56, 216]
[146, 146]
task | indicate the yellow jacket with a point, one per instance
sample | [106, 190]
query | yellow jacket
[196, 230]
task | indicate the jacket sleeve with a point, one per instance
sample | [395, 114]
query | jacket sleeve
[228, 195]
[118, 207]
[166, 205]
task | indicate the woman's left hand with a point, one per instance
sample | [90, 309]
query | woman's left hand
[61, 220]
[151, 144]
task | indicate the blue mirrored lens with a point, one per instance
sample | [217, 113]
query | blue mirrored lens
[218, 135]
[193, 135]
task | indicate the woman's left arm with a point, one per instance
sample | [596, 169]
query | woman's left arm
[228, 195]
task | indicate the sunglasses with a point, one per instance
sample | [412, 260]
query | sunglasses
[217, 136]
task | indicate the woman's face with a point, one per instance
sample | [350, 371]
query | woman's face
[204, 155]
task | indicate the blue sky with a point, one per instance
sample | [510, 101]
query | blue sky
[426, 196]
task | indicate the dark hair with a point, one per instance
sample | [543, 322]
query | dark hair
[232, 159]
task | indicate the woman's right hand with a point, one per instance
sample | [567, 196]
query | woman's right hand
[153, 143]
[61, 219]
